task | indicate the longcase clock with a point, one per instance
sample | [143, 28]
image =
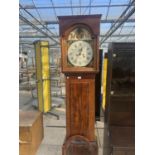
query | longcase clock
[80, 63]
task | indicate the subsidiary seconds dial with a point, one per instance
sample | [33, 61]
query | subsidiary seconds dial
[80, 53]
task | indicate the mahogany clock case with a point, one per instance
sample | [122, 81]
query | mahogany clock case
[91, 23]
[80, 84]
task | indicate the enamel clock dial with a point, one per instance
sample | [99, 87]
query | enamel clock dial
[80, 53]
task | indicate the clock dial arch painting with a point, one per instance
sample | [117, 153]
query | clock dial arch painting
[80, 33]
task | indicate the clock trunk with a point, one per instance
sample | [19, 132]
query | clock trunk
[80, 106]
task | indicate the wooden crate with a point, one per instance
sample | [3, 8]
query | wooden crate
[30, 132]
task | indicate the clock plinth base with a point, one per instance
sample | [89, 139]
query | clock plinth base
[79, 146]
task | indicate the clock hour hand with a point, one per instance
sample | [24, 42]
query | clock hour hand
[79, 52]
[83, 55]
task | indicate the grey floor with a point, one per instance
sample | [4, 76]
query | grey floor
[54, 130]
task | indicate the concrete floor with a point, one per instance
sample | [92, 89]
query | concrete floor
[54, 130]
